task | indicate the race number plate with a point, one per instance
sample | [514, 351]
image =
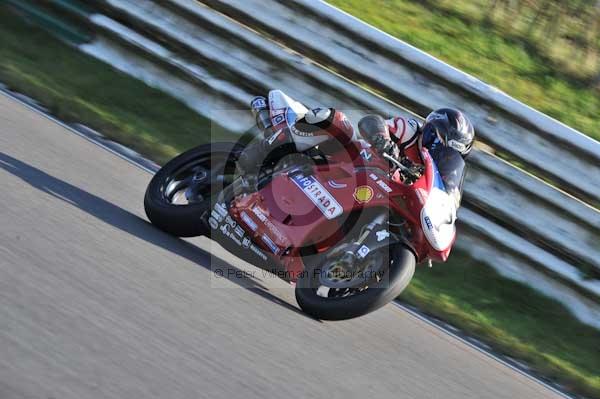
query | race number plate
[318, 195]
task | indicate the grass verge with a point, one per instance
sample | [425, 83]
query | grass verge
[76, 87]
[459, 34]
[508, 315]
[511, 317]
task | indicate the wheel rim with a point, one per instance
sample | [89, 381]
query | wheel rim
[196, 181]
[337, 279]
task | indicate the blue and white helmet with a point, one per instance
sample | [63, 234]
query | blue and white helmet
[451, 128]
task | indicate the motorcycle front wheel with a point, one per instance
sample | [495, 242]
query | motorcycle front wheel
[326, 292]
[181, 191]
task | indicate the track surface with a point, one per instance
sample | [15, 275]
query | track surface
[96, 303]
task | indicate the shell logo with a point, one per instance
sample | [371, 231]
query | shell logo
[363, 194]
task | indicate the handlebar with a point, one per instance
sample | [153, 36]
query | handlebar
[396, 162]
[406, 170]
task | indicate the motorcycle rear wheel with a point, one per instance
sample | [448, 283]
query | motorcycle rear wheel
[177, 196]
[392, 280]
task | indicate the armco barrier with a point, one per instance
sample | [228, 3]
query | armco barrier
[422, 83]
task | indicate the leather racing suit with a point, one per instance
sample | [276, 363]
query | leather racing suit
[399, 136]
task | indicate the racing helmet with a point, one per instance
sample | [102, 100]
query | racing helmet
[451, 128]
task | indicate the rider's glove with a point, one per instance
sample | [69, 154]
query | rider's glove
[262, 115]
[413, 173]
[252, 156]
[382, 144]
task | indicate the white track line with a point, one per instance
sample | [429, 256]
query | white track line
[488, 353]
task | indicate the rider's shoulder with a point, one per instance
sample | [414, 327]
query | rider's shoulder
[403, 124]
[404, 129]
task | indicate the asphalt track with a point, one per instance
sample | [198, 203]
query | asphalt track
[96, 303]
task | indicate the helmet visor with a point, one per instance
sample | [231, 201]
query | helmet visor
[433, 132]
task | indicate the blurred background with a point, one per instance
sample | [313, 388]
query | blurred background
[544, 53]
[161, 77]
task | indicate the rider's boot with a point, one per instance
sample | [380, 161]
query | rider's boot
[253, 156]
[255, 152]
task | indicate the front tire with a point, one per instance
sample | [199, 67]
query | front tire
[184, 219]
[397, 276]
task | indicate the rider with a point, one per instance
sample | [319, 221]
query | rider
[447, 133]
[317, 126]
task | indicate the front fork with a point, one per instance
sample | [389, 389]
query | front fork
[374, 236]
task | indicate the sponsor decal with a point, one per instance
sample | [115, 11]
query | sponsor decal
[268, 224]
[217, 216]
[225, 230]
[300, 133]
[458, 146]
[259, 214]
[438, 231]
[319, 195]
[274, 136]
[272, 246]
[272, 106]
[428, 222]
[239, 231]
[363, 194]
[221, 209]
[277, 119]
[275, 112]
[259, 103]
[382, 235]
[384, 185]
[380, 183]
[366, 155]
[413, 123]
[363, 251]
[258, 252]
[334, 184]
[246, 241]
[213, 223]
[229, 220]
[248, 220]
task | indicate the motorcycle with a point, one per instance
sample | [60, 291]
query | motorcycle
[346, 227]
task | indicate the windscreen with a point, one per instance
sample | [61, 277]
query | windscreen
[452, 170]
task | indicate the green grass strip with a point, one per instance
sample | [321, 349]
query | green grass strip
[513, 318]
[76, 87]
[458, 33]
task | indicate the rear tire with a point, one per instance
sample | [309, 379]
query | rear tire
[398, 275]
[184, 220]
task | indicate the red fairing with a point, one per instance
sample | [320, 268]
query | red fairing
[297, 210]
